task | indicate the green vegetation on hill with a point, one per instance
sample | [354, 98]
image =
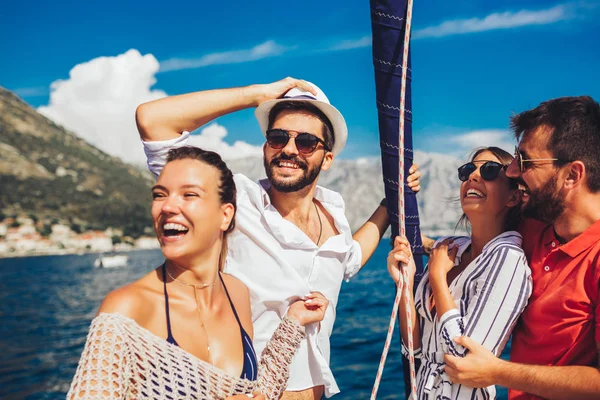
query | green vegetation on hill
[52, 174]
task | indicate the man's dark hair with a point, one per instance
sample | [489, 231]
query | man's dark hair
[573, 124]
[308, 107]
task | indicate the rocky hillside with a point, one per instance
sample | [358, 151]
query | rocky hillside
[55, 176]
[50, 173]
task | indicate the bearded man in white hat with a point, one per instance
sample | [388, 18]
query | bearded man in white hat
[291, 236]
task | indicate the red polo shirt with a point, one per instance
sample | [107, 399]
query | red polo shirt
[561, 323]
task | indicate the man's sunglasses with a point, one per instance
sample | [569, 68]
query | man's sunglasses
[488, 170]
[306, 143]
[521, 160]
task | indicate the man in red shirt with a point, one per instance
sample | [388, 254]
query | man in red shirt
[556, 343]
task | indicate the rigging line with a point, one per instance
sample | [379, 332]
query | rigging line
[401, 221]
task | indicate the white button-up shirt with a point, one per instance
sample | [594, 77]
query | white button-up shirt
[279, 263]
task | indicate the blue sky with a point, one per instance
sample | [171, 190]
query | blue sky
[474, 63]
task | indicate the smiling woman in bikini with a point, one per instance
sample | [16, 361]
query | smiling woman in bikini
[185, 330]
[475, 286]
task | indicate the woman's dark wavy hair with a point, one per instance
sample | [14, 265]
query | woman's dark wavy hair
[227, 191]
[513, 217]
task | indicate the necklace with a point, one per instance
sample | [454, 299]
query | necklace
[320, 224]
[197, 286]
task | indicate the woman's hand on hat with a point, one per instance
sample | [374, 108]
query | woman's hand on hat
[275, 90]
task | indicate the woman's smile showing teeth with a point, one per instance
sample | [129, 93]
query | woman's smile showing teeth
[474, 193]
[174, 230]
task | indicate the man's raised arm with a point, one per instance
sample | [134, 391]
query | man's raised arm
[167, 118]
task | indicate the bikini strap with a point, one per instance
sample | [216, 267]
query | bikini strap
[230, 302]
[164, 274]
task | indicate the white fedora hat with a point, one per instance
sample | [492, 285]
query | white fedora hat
[340, 130]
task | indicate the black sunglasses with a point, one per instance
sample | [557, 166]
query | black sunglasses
[488, 170]
[306, 143]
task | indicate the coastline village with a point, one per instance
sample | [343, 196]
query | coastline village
[24, 236]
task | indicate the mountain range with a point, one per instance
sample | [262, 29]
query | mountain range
[55, 176]
[361, 185]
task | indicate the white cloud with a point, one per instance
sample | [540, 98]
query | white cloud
[264, 50]
[364, 41]
[98, 103]
[211, 138]
[99, 99]
[483, 138]
[505, 20]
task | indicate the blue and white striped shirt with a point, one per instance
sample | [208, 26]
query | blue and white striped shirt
[490, 294]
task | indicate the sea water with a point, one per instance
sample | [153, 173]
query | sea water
[47, 303]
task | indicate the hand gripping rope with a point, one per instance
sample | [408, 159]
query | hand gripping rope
[407, 294]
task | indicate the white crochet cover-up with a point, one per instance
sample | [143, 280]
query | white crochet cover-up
[122, 360]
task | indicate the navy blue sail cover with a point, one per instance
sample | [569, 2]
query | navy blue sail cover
[388, 26]
[388, 23]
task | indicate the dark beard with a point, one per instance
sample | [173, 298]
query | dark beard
[545, 204]
[309, 176]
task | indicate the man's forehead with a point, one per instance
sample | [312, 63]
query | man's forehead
[536, 141]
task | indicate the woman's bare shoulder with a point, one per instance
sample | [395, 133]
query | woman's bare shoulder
[133, 300]
[235, 287]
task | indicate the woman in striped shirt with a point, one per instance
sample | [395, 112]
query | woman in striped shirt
[475, 286]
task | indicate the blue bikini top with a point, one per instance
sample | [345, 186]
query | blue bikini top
[250, 370]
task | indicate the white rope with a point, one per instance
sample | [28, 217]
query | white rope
[401, 222]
